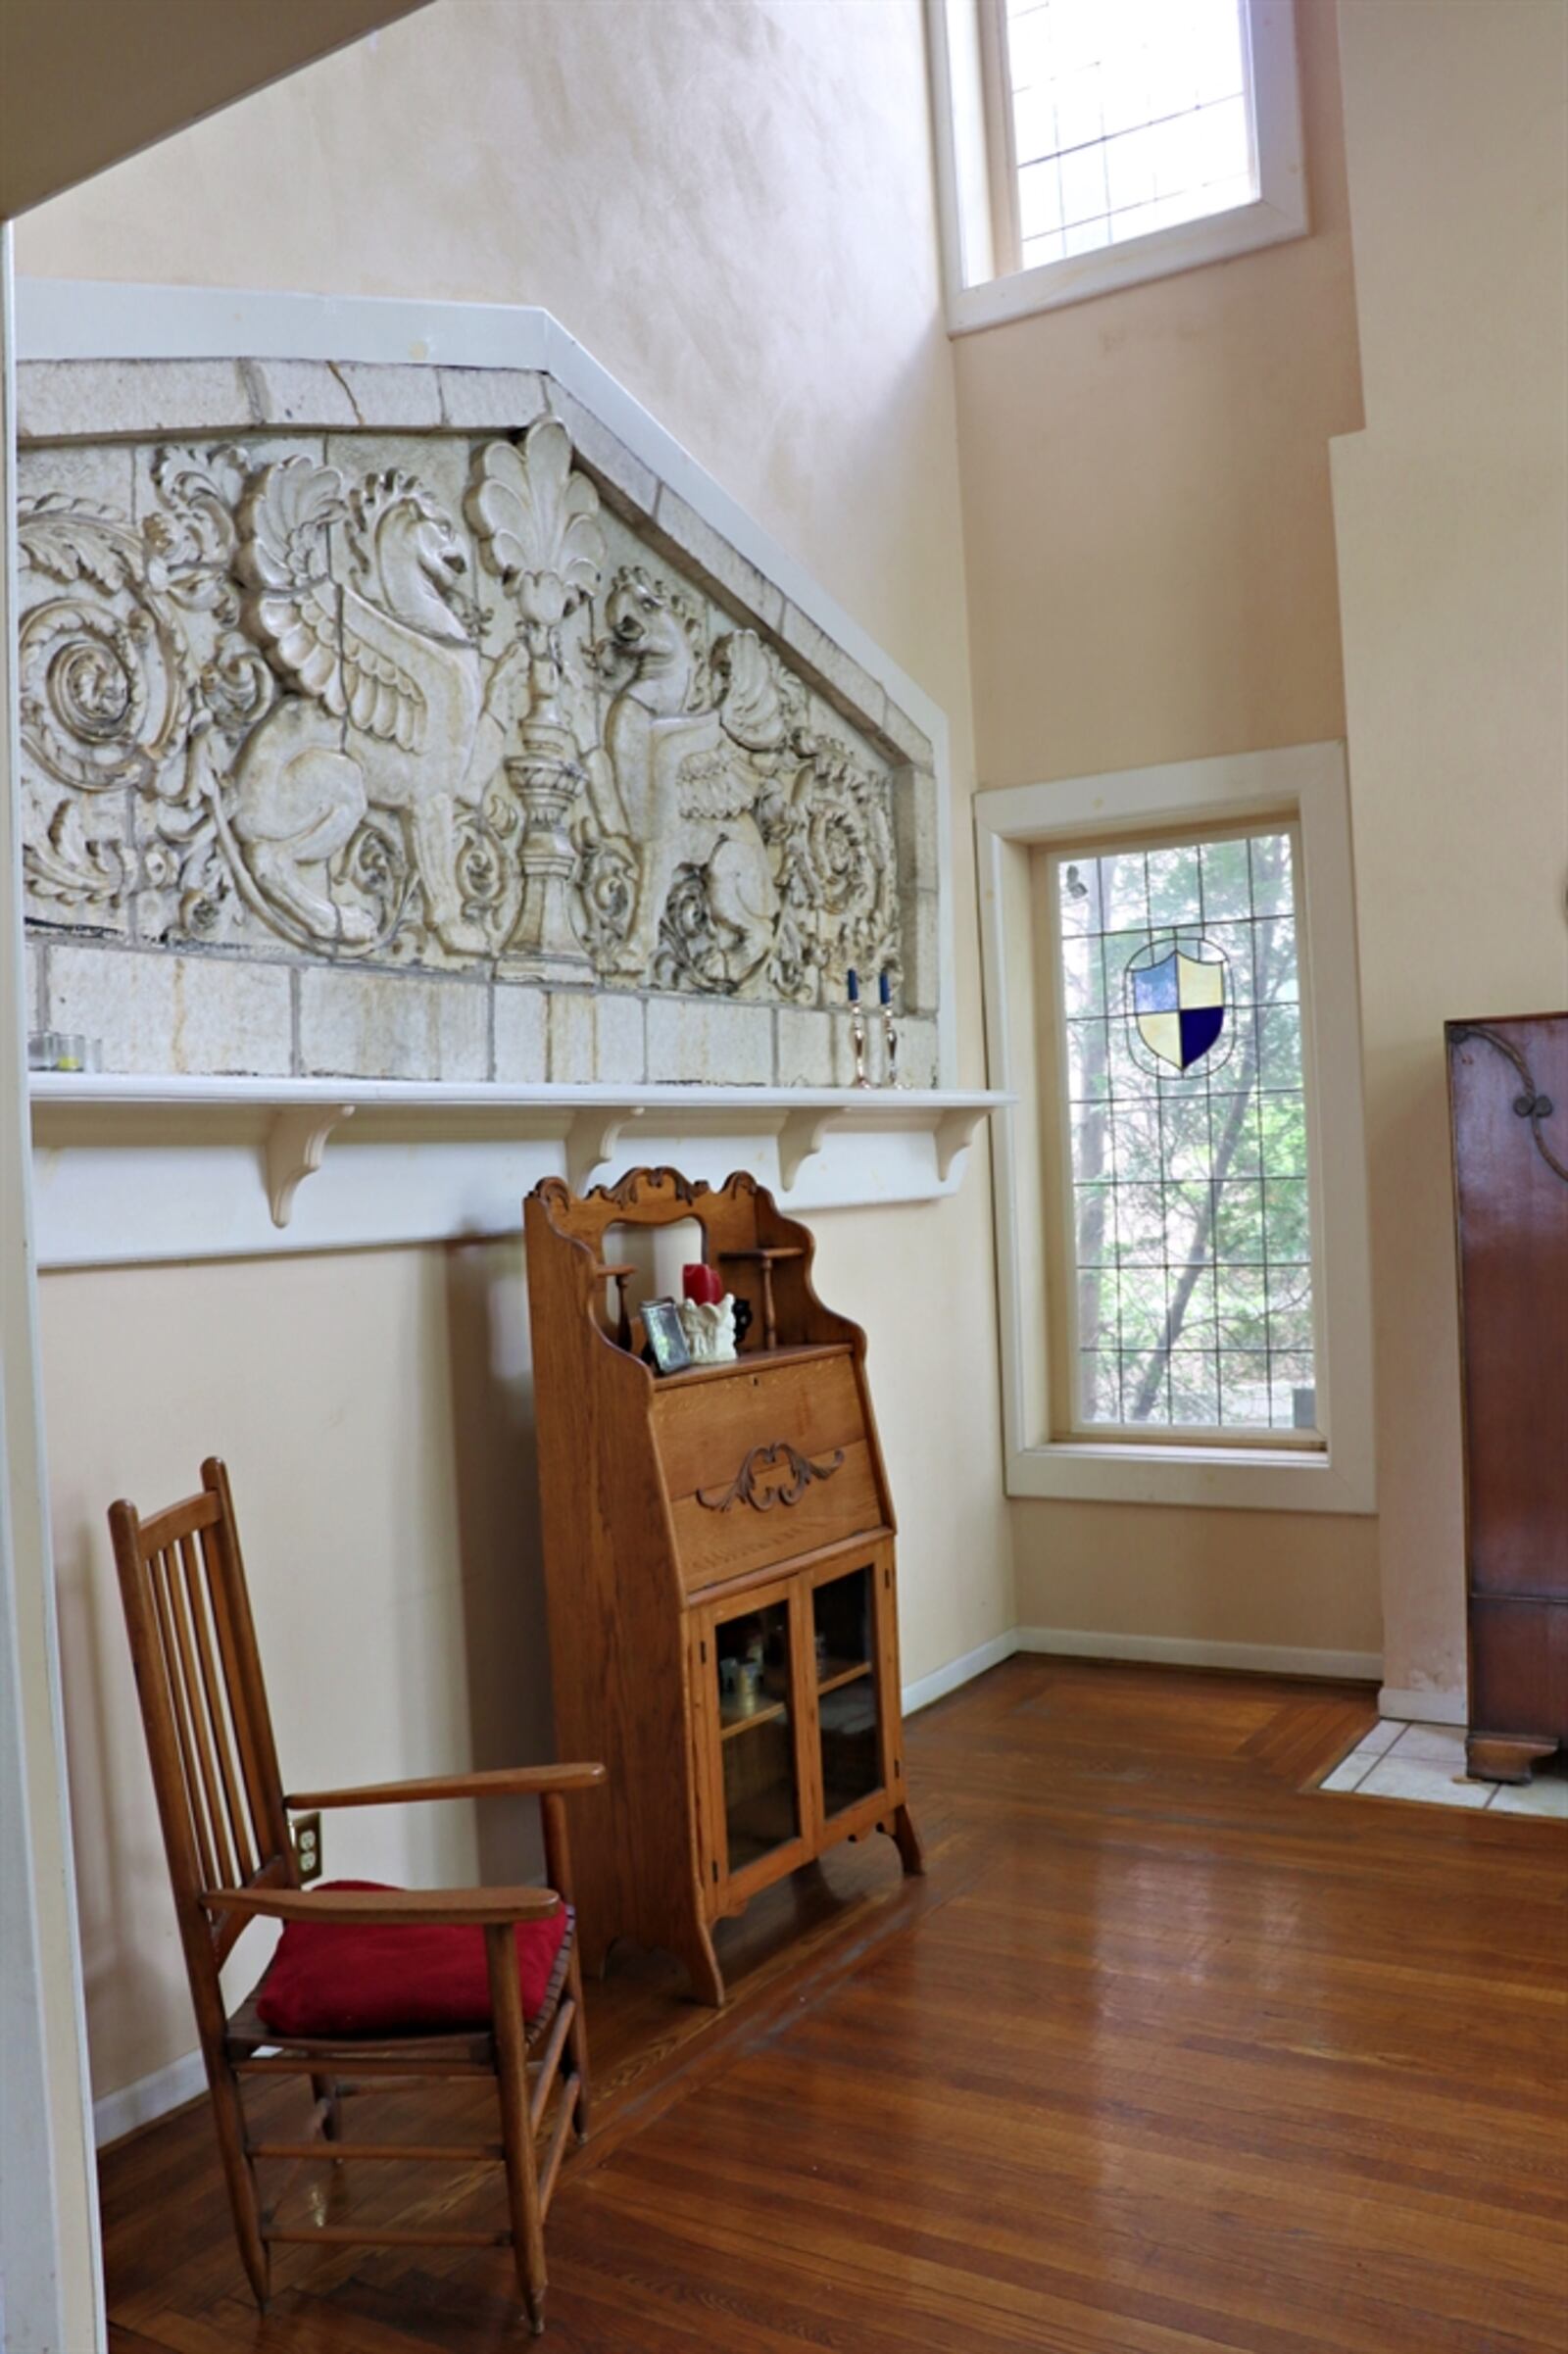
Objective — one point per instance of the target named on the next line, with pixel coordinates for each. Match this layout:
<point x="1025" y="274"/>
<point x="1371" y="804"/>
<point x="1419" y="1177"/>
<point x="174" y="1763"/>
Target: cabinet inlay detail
<point x="775" y="1457"/>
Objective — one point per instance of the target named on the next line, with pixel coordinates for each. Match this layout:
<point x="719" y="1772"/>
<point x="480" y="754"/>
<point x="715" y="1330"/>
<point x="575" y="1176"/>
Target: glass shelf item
<point x="847" y="1694"/>
<point x="751" y="1661"/>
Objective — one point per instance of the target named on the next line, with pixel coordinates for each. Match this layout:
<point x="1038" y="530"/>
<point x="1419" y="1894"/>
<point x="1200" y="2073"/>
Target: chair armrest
<point x="448" y="1908"/>
<point x="506" y="1782"/>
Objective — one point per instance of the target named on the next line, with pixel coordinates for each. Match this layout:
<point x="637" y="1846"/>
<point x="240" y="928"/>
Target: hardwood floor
<point x="1162" y="2057"/>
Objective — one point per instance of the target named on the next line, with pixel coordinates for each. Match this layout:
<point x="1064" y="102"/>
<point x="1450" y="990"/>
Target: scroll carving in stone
<point x="311" y="707"/>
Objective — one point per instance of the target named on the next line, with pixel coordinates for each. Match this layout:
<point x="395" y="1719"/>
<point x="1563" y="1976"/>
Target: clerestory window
<point x="1087" y="144"/>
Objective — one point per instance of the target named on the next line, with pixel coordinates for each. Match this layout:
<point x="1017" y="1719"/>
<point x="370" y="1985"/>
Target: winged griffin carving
<point x="676" y="777"/>
<point x="390" y="707"/>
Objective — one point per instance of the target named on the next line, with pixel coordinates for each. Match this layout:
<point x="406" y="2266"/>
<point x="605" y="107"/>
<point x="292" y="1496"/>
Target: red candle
<point x="701" y="1283"/>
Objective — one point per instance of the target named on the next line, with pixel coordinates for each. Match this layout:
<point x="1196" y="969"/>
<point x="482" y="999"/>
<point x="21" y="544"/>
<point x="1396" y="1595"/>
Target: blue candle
<point x="855" y="986"/>
<point x="885" y="988"/>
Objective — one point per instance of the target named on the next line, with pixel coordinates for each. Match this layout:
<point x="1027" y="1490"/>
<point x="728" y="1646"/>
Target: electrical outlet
<point x="308" y="1848"/>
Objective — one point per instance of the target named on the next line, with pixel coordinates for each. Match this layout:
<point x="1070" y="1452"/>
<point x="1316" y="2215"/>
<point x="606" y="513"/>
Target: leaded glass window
<point x="1127" y="115"/>
<point x="1187" y="1122"/>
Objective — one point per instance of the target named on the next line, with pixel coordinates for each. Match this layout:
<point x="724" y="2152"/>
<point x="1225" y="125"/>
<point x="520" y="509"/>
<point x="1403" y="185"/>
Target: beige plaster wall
<point x="1452" y="519"/>
<point x="1152" y="567"/>
<point x="379" y="1434"/>
<point x="729" y="203"/>
<point x="1145" y="485"/>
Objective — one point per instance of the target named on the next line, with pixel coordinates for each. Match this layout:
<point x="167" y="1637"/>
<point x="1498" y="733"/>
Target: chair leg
<point x="578" y="2046"/>
<point x="239" y="2175"/>
<point x="517" y="2134"/>
<point x="558" y="1860"/>
<point x="324" y="2089"/>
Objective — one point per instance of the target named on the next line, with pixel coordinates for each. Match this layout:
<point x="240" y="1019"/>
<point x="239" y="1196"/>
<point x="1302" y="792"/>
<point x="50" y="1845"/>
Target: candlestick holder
<point x="863" y="1077"/>
<point x="890" y="1043"/>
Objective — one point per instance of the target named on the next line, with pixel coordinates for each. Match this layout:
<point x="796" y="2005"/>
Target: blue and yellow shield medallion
<point x="1178" y="1002"/>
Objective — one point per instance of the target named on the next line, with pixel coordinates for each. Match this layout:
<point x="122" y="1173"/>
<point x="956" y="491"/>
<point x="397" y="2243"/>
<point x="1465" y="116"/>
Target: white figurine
<point x="710" y="1329"/>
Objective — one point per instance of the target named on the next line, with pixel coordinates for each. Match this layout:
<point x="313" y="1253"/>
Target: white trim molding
<point x="51" y="2296"/>
<point x="1423" y="1704"/>
<point x="961" y="1671"/>
<point x="1169" y="1650"/>
<point x="982" y="290"/>
<point x="133" y="1171"/>
<point x="116" y="2114"/>
<point x="1182" y="1650"/>
<point x="1303" y="782"/>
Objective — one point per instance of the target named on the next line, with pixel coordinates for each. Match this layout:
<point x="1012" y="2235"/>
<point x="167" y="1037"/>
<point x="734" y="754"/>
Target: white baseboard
<point x="1181" y="1650"/>
<point x="150" y="2096"/>
<point x="943" y="1680"/>
<point x="1423" y="1707"/>
<point x="1162" y="1651"/>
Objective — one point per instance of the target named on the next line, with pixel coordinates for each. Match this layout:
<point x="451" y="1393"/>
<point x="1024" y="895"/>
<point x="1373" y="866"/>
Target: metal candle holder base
<point x="863" y="1077"/>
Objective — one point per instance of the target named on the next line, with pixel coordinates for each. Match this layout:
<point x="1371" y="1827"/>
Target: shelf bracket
<point x="800" y="1136"/>
<point x="952" y="1134"/>
<point x="592" y="1138"/>
<point x="296" y="1141"/>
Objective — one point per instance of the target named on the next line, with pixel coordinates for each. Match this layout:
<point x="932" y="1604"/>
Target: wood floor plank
<point x="1167" y="2054"/>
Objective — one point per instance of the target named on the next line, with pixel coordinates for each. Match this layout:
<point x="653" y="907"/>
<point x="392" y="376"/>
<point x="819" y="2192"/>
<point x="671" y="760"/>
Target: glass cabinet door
<point x="753" y="1663"/>
<point x="848" y="1701"/>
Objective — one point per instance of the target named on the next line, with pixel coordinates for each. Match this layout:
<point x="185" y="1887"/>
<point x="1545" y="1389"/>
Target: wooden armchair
<point x="231" y="1860"/>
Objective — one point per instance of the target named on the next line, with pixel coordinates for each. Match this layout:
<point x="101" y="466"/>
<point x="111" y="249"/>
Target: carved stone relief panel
<point x="448" y="703"/>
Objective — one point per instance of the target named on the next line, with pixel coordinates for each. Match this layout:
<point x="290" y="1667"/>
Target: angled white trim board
<point x="977" y="297"/>
<point x="1306" y="781"/>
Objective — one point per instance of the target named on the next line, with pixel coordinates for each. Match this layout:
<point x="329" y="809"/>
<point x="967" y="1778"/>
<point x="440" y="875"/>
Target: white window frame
<point x="1307" y="785"/>
<point x="973" y="152"/>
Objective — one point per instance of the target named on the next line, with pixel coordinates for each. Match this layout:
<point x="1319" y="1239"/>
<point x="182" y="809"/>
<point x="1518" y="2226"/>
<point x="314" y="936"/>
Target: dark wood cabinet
<point x="1509" y="1091"/>
<point x="720" y="1566"/>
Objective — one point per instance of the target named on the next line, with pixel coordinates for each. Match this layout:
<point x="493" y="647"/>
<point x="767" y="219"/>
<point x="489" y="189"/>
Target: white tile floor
<point x="1426" y="1763"/>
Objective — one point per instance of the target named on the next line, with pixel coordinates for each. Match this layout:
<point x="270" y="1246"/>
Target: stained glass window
<point x="1191" y="1221"/>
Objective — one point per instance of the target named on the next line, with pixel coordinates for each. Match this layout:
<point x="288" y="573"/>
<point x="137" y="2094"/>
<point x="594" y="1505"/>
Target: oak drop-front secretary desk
<point x="720" y="1566"/>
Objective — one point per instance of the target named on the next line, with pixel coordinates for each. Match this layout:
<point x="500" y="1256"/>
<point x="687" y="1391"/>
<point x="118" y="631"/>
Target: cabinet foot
<point x="702" y="1963"/>
<point x="908" y="1841"/>
<point x="1506" y="1756"/>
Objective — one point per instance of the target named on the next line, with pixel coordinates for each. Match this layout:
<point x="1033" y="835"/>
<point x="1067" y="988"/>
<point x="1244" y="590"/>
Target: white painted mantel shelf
<point x="134" y="1170"/>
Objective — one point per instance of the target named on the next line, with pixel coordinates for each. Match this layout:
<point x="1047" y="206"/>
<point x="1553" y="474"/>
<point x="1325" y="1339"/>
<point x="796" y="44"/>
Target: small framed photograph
<point x="666" y="1342"/>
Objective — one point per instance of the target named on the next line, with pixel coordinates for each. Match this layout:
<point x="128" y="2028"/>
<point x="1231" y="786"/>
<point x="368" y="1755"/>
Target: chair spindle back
<point x="204" y="1703"/>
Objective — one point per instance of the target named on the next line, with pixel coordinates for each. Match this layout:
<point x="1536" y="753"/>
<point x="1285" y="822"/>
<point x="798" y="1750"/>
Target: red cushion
<point x="338" y="1977"/>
